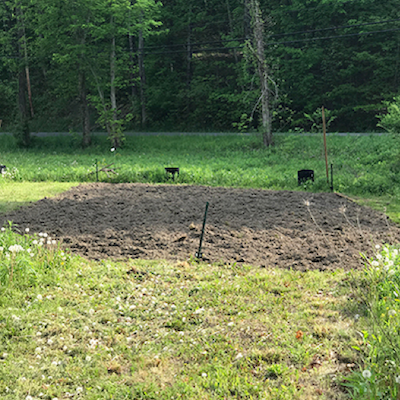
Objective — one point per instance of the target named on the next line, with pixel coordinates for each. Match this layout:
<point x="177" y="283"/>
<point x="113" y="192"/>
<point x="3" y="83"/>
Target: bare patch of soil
<point x="257" y="227"/>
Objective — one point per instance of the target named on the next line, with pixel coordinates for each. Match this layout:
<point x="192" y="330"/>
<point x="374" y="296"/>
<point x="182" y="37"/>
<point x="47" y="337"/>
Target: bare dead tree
<point x="257" y="46"/>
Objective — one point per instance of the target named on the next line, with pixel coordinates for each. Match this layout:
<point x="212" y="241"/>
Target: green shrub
<point x="391" y="120"/>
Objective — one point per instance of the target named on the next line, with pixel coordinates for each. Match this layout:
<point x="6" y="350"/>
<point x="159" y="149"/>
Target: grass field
<point x="70" y="328"/>
<point x="366" y="167"/>
<point x="156" y="330"/>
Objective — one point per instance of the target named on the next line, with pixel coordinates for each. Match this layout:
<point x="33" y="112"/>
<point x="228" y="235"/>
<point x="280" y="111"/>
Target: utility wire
<point x="242" y="39"/>
<point x="336" y="27"/>
<point x="193" y="50"/>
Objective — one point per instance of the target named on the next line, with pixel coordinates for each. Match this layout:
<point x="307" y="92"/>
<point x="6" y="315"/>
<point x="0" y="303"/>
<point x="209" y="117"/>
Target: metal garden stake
<point x="199" y="254"/>
<point x="97" y="171"/>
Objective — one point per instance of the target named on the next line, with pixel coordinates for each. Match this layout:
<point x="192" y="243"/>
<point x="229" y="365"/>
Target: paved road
<point x="47" y="134"/>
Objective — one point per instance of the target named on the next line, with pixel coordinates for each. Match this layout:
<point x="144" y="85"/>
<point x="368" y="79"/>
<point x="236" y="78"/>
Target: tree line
<point x="195" y="65"/>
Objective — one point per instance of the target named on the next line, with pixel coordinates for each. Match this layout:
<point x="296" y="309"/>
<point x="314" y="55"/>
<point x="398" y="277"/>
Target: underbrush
<point x="26" y="260"/>
<point x="159" y="330"/>
<point x="378" y="295"/>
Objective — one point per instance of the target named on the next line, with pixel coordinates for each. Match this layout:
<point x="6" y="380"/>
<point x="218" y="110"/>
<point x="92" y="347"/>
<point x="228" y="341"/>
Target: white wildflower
<point x="239" y="356"/>
<point x="377" y="246"/>
<point x="392" y="313"/>
<point x="366" y="374"/>
<point x="204" y="375"/>
<point x="397" y="379"/>
<point x="26" y="230"/>
<point x="15" y="248"/>
<point x="375" y="263"/>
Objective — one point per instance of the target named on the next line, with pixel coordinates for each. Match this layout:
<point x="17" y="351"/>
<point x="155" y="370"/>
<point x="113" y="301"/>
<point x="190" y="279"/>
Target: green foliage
<point x="378" y="294"/>
<point x="26" y="260"/>
<point x="362" y="165"/>
<point x="316" y="120"/>
<point x="22" y="133"/>
<point x="189" y="330"/>
<point x="391" y="120"/>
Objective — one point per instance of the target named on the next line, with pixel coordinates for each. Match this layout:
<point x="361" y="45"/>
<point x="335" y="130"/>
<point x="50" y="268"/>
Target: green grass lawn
<point x="363" y="166"/>
<point x="70" y="328"/>
<point x="157" y="330"/>
<point x="16" y="194"/>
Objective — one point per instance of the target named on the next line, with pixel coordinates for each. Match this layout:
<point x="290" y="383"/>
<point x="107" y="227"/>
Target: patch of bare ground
<point x="287" y="229"/>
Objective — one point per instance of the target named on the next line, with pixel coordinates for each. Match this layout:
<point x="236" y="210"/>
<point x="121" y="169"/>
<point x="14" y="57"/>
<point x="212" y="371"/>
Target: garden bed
<point x="266" y="228"/>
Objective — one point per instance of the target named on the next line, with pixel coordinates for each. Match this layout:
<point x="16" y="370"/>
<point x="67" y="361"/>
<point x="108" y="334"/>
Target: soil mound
<point x="258" y="227"/>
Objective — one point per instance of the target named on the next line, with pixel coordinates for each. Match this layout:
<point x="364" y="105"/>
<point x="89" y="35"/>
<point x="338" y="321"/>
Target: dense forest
<point x="195" y="65"/>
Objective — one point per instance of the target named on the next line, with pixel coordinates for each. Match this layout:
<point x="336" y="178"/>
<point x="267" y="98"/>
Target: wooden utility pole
<point x="325" y="147"/>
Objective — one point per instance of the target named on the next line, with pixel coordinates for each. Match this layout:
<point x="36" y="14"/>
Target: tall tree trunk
<point x="189" y="55"/>
<point x="228" y="8"/>
<point x="262" y="69"/>
<point x="25" y="48"/>
<point x="85" y="118"/>
<point x="113" y="97"/>
<point x="142" y="76"/>
<point x="23" y="132"/>
<point x="134" y="91"/>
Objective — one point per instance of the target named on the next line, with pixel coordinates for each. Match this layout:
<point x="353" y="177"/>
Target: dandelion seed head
<point x="366" y="374"/>
<point x="375" y="263"/>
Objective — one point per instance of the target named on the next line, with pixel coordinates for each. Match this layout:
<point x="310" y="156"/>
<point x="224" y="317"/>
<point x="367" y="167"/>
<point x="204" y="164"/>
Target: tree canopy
<point x="188" y="65"/>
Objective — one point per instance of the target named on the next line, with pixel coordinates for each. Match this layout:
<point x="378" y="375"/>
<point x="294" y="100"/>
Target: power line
<point x="194" y="50"/>
<point x="242" y="39"/>
<point x="277" y="43"/>
<point x="333" y="37"/>
<point x="336" y="27"/>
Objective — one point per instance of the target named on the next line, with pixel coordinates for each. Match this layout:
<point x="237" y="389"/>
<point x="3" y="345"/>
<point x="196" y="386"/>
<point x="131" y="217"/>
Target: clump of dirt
<point x="267" y="228"/>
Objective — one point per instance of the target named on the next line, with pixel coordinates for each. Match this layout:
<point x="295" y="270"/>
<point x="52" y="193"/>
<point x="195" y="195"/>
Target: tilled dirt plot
<point x="257" y="227"/>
